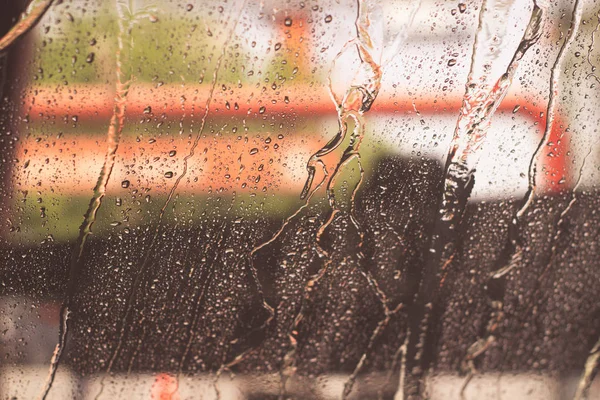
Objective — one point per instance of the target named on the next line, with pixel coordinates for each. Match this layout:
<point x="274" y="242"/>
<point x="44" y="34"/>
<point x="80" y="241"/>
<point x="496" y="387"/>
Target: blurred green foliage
<point x="165" y="48"/>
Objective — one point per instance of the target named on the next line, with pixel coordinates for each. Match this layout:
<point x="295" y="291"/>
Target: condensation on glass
<point x="245" y="199"/>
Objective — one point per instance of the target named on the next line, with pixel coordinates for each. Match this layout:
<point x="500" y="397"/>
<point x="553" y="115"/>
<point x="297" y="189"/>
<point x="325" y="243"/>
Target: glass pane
<point x="243" y="199"/>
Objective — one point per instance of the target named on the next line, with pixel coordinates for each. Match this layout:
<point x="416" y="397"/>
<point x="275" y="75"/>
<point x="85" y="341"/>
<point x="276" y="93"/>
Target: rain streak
<point x="336" y="199"/>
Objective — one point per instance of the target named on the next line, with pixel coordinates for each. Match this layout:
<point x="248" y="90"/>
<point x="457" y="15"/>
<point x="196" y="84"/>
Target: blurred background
<point x="206" y="275"/>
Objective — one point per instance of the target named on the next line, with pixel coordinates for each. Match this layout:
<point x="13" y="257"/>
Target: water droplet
<point x="189" y="7"/>
<point x="90" y="58"/>
<point x="288" y="21"/>
<point x="125" y="184"/>
<point x="328" y="19"/>
<point x="516" y="108"/>
<point x="462" y="7"/>
<point x="172" y="153"/>
<point x="277" y="46"/>
<point x="451" y="62"/>
<point x="147" y="110"/>
<point x="262" y="110"/>
<point x="168" y="174"/>
<point x="253" y="151"/>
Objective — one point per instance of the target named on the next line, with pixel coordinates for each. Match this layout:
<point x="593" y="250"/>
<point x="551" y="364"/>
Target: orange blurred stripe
<point x="95" y="102"/>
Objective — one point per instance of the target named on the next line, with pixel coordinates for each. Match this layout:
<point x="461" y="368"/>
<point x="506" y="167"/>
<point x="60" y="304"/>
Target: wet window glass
<point x="283" y="199"/>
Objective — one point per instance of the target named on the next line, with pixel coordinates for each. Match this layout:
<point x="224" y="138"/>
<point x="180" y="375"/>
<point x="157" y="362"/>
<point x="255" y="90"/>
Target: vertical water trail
<point x="399" y="395"/>
<point x="484" y="93"/>
<point x="35" y="11"/>
<point x="593" y="359"/>
<point x="513" y="251"/>
<point x="115" y="129"/>
<point x="351" y="153"/>
<point x="374" y="56"/>
<point x="487" y="85"/>
<point x="551" y="109"/>
<point x="514" y="236"/>
<point x="565" y="211"/>
<point x="287" y="220"/>
<point x="357" y="100"/>
<point x="388" y="314"/>
<point x="590" y="369"/>
<point x="371" y="54"/>
<point x="592" y="42"/>
<point x="591" y="48"/>
<point x="241" y="357"/>
<point x="562" y="217"/>
<point x="138" y="277"/>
